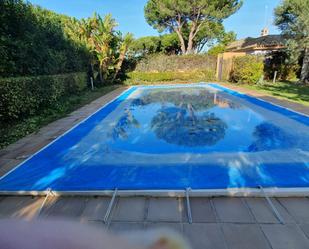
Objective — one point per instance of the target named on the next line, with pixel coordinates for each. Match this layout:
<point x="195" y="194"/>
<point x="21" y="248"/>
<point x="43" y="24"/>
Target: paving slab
<point x="305" y="229"/>
<point x="204" y="236"/>
<point x="25" y="207"/>
<point x="8" y="164"/>
<point x="287" y="236"/>
<point x="202" y="210"/>
<point x="261" y="210"/>
<point x="122" y="227"/>
<point x="244" y="236"/>
<point x="129" y="209"/>
<point x="65" y="207"/>
<point x="286" y="216"/>
<point x="165" y="209"/>
<point x="232" y="210"/>
<point x="297" y="207"/>
<point x="95" y="208"/>
<point x="169" y="225"/>
<point x="95" y="223"/>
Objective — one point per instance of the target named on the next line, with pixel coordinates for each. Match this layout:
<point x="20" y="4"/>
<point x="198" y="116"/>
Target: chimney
<point x="264" y="31"/>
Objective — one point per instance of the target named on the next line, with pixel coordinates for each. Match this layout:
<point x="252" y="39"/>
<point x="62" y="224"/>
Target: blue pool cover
<point x="202" y="136"/>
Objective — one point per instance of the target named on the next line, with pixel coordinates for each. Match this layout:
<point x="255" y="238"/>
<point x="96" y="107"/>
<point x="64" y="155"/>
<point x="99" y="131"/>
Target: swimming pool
<point x="163" y="138"/>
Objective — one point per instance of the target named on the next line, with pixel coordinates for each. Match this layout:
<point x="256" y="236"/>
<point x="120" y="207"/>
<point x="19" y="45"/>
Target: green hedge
<point x="36" y="41"/>
<point x="247" y="69"/>
<point x="165" y="63"/>
<point x="24" y="96"/>
<point x="194" y="75"/>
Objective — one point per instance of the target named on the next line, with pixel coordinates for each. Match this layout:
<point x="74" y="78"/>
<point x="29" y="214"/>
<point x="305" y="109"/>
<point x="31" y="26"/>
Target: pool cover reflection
<point x="173" y="137"/>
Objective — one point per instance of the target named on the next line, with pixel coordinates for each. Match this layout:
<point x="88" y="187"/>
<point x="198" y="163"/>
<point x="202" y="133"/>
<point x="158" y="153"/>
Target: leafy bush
<point x="24" y="96"/>
<point x="163" y="63"/>
<point x="194" y="75"/>
<point x="247" y="69"/>
<point x="279" y="61"/>
<point x="35" y="41"/>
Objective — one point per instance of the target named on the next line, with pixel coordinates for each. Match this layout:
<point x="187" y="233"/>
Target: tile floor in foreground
<point x="219" y="222"/>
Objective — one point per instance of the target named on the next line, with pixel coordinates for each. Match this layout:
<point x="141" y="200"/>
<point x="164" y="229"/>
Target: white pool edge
<point x="230" y="192"/>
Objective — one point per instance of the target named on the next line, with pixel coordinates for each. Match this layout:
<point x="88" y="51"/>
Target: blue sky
<point x="248" y="21"/>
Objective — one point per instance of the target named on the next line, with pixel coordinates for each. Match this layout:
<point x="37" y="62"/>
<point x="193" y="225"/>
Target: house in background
<point x="262" y="45"/>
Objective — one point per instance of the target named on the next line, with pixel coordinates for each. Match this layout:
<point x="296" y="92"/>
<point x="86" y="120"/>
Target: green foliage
<point x="208" y="34"/>
<point x="189" y="18"/>
<point x="135" y="77"/>
<point x="33" y="41"/>
<point x="170" y="44"/>
<point x="124" y="46"/>
<point x="166" y="44"/>
<point x="292" y="19"/>
<point x="163" y="68"/>
<point x="162" y="63"/>
<point x="108" y="47"/>
<point x="25" y="96"/>
<point x="36" y="41"/>
<point x="146" y="45"/>
<point x="279" y="61"/>
<point x="247" y="69"/>
<point x="224" y="40"/>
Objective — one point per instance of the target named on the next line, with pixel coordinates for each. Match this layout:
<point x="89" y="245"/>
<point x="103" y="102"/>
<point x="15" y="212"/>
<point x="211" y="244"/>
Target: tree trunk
<point x="182" y="41"/>
<point x="119" y="64"/>
<point x="101" y="74"/>
<point x="190" y="40"/>
<point x="304" y="76"/>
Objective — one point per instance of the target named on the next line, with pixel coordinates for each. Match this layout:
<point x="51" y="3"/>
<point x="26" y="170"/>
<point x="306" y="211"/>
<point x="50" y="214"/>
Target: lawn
<point x="283" y="90"/>
<point x="10" y="133"/>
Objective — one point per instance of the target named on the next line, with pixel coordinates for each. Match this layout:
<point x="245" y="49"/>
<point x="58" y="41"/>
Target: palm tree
<point x="126" y="42"/>
<point x="104" y="41"/>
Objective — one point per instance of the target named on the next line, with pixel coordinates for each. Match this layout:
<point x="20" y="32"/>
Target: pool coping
<point x="229" y="192"/>
<point x="235" y="192"/>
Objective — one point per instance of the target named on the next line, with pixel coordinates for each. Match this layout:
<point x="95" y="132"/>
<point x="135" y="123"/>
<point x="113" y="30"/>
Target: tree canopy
<point x="292" y="19"/>
<point x="166" y="44"/>
<point x="108" y="47"/>
<point x="224" y="40"/>
<point x="189" y="18"/>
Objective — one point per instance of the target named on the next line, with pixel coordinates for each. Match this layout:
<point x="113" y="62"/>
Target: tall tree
<point x="108" y="47"/>
<point x="123" y="48"/>
<point x="224" y="40"/>
<point x="188" y="15"/>
<point x="104" y="40"/>
<point x="292" y="18"/>
<point x="167" y="44"/>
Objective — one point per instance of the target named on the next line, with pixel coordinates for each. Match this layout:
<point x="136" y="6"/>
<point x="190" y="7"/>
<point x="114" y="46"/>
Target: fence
<point x="225" y="64"/>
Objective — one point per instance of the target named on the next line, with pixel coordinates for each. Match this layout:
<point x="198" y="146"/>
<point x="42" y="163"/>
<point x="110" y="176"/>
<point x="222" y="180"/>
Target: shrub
<point x="194" y="75"/>
<point x="247" y="69"/>
<point x="36" y="41"/>
<point x="24" y="96"/>
<point x="279" y="61"/>
<point x="163" y="63"/>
